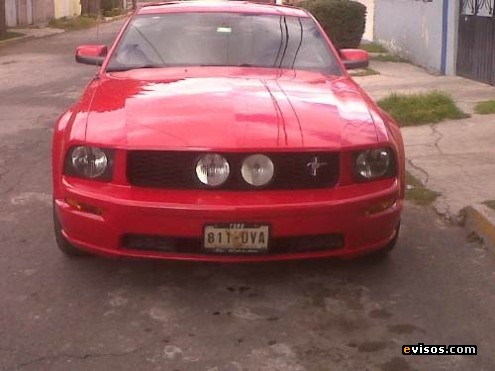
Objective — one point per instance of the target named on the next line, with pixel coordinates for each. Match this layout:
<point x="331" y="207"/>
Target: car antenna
<point x="98" y="33"/>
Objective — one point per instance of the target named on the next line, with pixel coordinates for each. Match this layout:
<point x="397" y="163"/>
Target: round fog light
<point x="257" y="170"/>
<point x="212" y="170"/>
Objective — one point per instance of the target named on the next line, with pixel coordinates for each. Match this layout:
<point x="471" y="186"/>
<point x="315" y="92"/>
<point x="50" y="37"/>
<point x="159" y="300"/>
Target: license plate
<point x="237" y="238"/>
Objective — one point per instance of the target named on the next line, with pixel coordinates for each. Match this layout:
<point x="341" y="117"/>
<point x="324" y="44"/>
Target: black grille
<point x="176" y="170"/>
<point x="278" y="245"/>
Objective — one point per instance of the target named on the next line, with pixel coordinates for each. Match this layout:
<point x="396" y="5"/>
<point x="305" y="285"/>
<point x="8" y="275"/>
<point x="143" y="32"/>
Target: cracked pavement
<point x="458" y="158"/>
<point x="455" y="158"/>
<point x="100" y="314"/>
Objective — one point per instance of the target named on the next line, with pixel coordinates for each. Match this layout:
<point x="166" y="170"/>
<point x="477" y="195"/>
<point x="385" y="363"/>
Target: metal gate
<point x="476" y="47"/>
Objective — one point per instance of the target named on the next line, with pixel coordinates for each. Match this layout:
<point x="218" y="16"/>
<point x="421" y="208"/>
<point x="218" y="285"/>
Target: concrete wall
<point x="26" y="12"/>
<point x="67" y="8"/>
<point x="370" y="18"/>
<point x="413" y="29"/>
<point x="43" y="10"/>
<point x="11" y="13"/>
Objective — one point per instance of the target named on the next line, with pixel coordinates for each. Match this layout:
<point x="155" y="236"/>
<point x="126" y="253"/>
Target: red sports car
<point x="229" y="132"/>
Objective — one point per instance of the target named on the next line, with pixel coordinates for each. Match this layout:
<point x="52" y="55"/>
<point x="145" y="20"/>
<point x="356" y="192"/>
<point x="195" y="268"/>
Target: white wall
<point x="370" y="15"/>
<point x="67" y="8"/>
<point x="10" y="13"/>
<point x="452" y="30"/>
<point x="413" y="30"/>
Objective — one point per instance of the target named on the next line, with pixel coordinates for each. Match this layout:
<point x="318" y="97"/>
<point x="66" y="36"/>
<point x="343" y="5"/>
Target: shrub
<point x="342" y="20"/>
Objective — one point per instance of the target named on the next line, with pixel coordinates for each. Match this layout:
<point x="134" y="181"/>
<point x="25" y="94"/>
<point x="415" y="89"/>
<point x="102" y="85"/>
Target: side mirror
<point x="91" y="54"/>
<point x="354" y="58"/>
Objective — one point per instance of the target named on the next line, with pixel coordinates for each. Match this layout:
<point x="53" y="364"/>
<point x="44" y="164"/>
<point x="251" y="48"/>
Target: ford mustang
<point x="228" y="132"/>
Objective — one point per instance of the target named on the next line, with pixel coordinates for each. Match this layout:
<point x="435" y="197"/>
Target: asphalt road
<point x="97" y="314"/>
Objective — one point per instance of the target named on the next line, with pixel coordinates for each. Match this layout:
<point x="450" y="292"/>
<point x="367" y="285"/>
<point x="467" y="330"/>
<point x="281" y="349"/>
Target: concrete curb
<point x="481" y="220"/>
<point x="117" y="17"/>
<point x="15" y="40"/>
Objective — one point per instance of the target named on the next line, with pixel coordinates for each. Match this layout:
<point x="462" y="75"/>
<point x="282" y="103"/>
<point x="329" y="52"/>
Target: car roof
<point x="221" y="6"/>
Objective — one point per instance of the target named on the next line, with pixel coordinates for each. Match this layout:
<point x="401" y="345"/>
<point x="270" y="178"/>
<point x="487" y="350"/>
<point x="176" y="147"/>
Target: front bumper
<point x="365" y="215"/>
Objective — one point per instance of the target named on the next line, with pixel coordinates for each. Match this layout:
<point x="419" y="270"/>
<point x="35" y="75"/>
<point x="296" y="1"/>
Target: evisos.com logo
<point x="421" y="350"/>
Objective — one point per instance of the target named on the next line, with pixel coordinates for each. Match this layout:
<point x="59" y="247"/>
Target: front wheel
<point x="383" y="252"/>
<point x="65" y="246"/>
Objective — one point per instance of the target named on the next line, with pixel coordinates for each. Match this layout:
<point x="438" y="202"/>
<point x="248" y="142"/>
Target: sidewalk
<point x="30" y="33"/>
<point x="42" y="30"/>
<point x="455" y="158"/>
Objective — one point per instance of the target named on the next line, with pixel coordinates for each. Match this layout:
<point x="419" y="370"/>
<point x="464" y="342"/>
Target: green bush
<point x="342" y="20"/>
<point x="108" y="5"/>
<point x="113" y="13"/>
<point x="421" y="108"/>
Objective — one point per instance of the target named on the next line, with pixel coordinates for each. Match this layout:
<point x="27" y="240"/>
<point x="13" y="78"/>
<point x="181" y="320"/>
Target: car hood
<point x="271" y="111"/>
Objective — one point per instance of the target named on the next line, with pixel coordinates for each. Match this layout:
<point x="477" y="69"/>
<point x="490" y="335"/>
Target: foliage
<point x="342" y="20"/>
<point x="76" y="23"/>
<point x="417" y="192"/>
<point x="114" y="12"/>
<point x="485" y="107"/>
<point x="386" y="57"/>
<point x="373" y="48"/>
<point x="490" y="204"/>
<point x="417" y="109"/>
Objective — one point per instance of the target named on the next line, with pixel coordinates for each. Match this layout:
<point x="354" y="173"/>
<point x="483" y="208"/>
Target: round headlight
<point x="257" y="170"/>
<point x="373" y="163"/>
<point x="212" y="170"/>
<point x="89" y="162"/>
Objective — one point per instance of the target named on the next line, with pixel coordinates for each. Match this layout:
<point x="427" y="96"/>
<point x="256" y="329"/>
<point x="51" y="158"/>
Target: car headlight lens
<point x="373" y="163"/>
<point x="257" y="170"/>
<point x="212" y="170"/>
<point x="89" y="162"/>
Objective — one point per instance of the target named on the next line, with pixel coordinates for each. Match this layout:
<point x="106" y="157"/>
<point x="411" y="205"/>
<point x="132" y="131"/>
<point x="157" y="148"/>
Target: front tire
<point x="383" y="252"/>
<point x="65" y="246"/>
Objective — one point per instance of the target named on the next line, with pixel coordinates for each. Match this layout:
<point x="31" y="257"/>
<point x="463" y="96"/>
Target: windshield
<point x="223" y="39"/>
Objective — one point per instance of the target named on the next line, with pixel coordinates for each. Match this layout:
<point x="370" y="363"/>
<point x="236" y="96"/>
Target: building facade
<point x="21" y="13"/>
<point x="445" y="36"/>
<point x="370" y="19"/>
<point x="67" y="8"/>
<point x="423" y="32"/>
<point x="26" y="12"/>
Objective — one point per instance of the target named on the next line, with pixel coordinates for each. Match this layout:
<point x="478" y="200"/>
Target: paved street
<point x="98" y="314"/>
